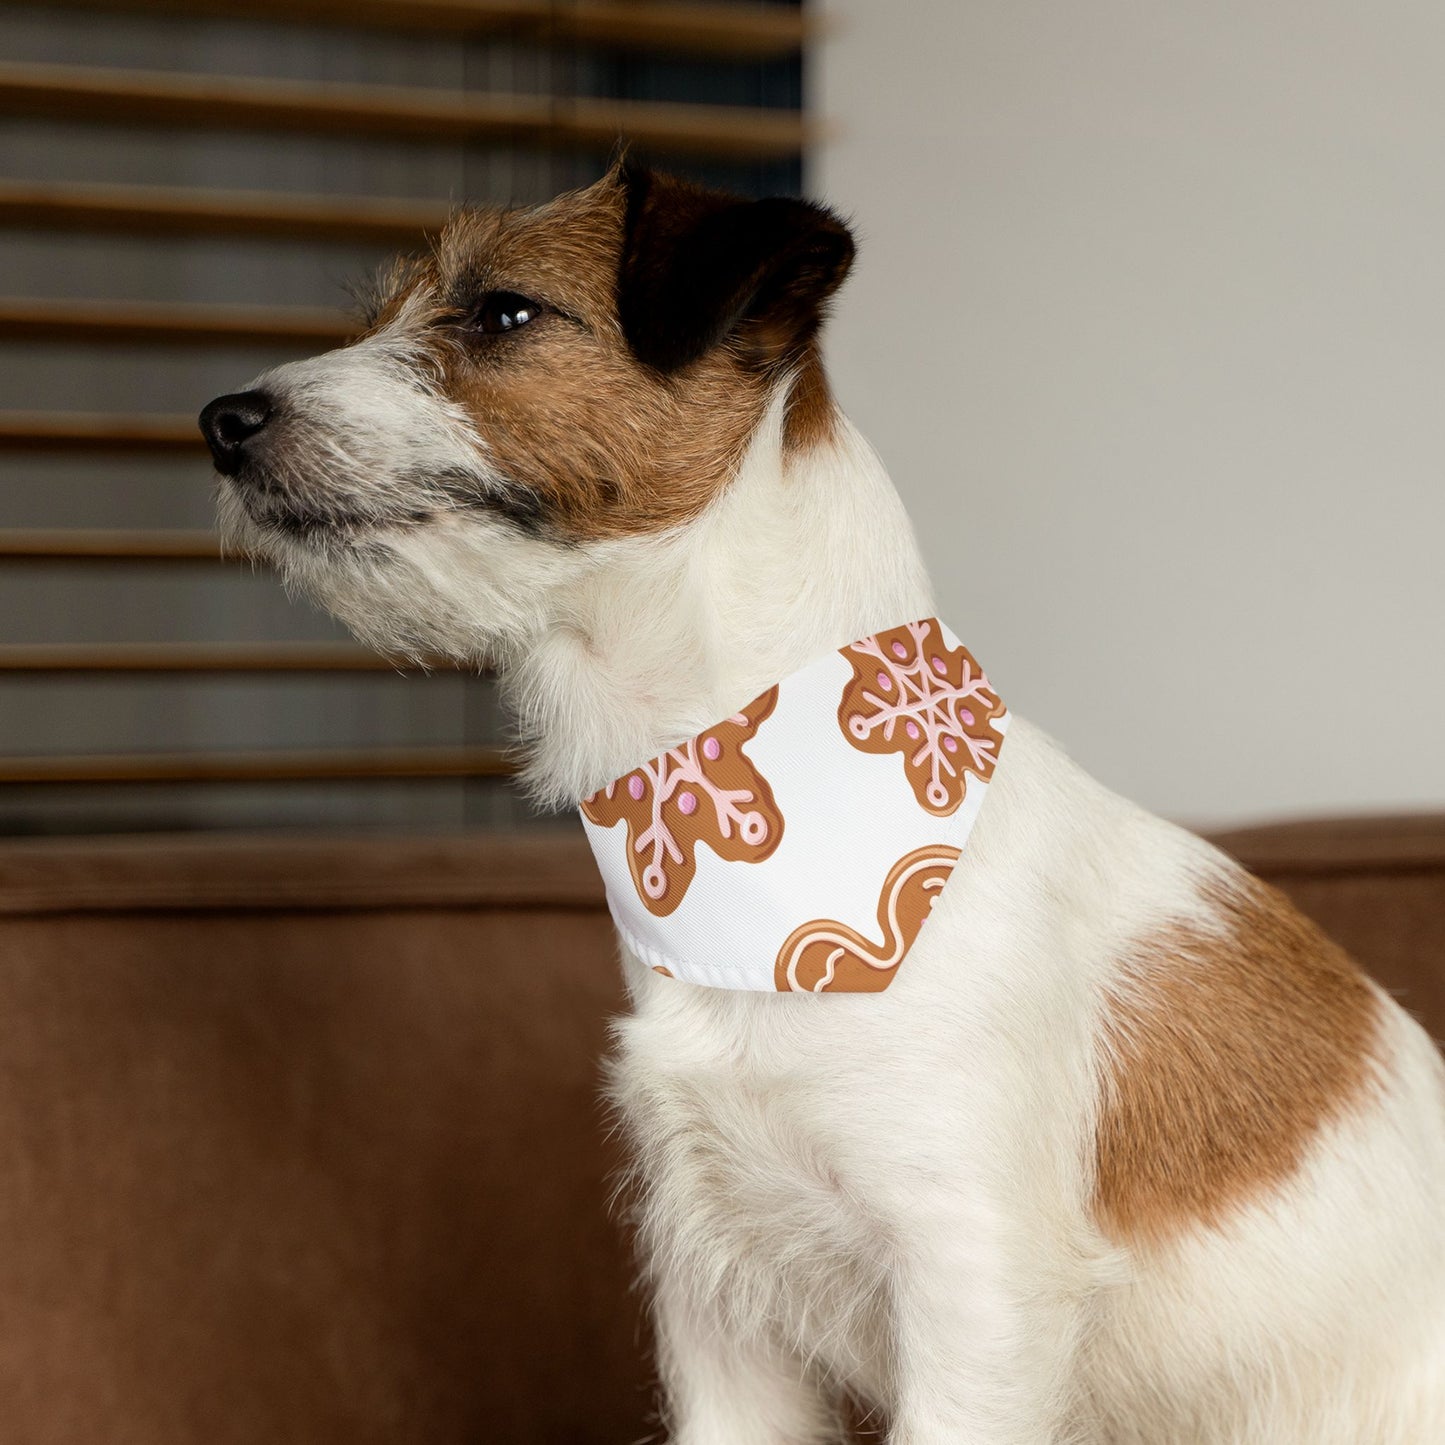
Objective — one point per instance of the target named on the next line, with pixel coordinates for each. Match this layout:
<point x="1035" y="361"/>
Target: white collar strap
<point x="799" y="844"/>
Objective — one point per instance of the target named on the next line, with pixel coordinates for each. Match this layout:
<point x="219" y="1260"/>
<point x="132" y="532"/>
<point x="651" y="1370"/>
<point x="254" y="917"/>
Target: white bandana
<point x="799" y="844"/>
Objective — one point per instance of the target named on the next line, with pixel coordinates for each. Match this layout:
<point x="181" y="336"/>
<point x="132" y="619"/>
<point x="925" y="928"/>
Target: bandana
<point x="800" y="844"/>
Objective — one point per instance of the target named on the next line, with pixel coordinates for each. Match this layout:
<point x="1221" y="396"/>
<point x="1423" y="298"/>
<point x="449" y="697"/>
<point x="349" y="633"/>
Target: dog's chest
<point x="749" y="1162"/>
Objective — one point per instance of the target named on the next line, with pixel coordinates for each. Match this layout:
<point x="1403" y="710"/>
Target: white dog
<point x="1127" y="1152"/>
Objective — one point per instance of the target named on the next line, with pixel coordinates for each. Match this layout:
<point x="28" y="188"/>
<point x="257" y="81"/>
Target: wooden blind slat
<point x="171" y="323"/>
<point x="77" y="431"/>
<point x="218" y="102"/>
<point x="751" y="31"/>
<point x="761" y="32"/>
<point x="271" y="766"/>
<point x="186" y="657"/>
<point x="83" y="544"/>
<point x="172" y="211"/>
<point x="226" y="103"/>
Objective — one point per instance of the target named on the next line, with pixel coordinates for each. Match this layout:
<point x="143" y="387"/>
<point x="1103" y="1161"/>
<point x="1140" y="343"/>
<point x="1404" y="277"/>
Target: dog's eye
<point x="504" y="311"/>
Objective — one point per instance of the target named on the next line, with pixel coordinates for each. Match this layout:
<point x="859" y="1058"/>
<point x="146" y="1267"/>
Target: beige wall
<point x="1149" y="324"/>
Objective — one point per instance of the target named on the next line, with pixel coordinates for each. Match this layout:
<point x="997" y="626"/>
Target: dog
<point x="1127" y="1152"/>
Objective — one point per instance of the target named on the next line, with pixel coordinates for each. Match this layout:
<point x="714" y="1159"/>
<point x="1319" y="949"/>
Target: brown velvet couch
<point x="302" y="1141"/>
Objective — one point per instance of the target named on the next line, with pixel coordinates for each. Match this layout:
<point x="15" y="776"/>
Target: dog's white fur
<point x="891" y="1193"/>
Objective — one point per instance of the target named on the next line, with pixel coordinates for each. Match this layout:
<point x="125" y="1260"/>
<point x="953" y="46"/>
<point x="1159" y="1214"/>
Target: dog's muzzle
<point x="232" y="422"/>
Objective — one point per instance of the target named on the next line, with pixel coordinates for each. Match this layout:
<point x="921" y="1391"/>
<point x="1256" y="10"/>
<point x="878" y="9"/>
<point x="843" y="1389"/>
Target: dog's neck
<point x="803" y="552"/>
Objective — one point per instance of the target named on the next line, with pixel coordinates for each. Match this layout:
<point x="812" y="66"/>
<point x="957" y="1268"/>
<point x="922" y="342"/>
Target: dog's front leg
<point x="724" y="1386"/>
<point x="985" y="1339"/>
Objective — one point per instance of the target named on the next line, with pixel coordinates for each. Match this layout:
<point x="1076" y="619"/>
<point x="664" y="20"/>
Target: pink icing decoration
<point x="966" y="716"/>
<point x="912" y="729"/>
<point x="899" y="651"/>
<point x="885" y="682"/>
<point x="939" y="666"/>
<point x="678" y="778"/>
<point x="951" y="744"/>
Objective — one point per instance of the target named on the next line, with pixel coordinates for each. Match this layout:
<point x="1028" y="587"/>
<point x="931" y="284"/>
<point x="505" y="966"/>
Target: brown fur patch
<point x="606" y="445"/>
<point x="812" y="416"/>
<point x="1227" y="1053"/>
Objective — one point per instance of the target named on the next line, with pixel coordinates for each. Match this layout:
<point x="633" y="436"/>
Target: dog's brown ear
<point x="699" y="266"/>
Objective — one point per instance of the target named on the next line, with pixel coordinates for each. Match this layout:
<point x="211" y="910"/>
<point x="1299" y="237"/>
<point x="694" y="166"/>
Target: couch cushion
<point x="302" y="1143"/>
<point x="302" y="1137"/>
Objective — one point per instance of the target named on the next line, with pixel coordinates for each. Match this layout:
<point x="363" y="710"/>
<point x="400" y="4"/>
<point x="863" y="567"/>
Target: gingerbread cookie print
<point x="706" y="793"/>
<point x="913" y="694"/>
<point x="825" y="956"/>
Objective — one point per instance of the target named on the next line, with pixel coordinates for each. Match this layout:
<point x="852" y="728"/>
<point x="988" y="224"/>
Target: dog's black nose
<point x="229" y="422"/>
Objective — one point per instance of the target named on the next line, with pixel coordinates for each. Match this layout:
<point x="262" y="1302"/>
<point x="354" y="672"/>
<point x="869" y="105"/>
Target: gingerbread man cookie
<point x="705" y="793"/>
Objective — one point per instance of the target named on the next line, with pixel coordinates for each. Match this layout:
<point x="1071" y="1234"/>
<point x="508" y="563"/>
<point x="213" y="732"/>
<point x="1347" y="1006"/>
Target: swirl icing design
<point x="825" y="956"/>
<point x="706" y="792"/>
<point x="913" y="694"/>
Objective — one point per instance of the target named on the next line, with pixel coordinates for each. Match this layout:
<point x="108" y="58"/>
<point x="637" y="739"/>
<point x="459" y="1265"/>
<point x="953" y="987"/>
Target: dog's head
<point x="545" y="383"/>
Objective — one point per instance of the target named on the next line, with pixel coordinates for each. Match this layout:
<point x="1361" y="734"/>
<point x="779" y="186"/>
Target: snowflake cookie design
<point x="825" y="956"/>
<point x="704" y="792"/>
<point x="913" y="694"/>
